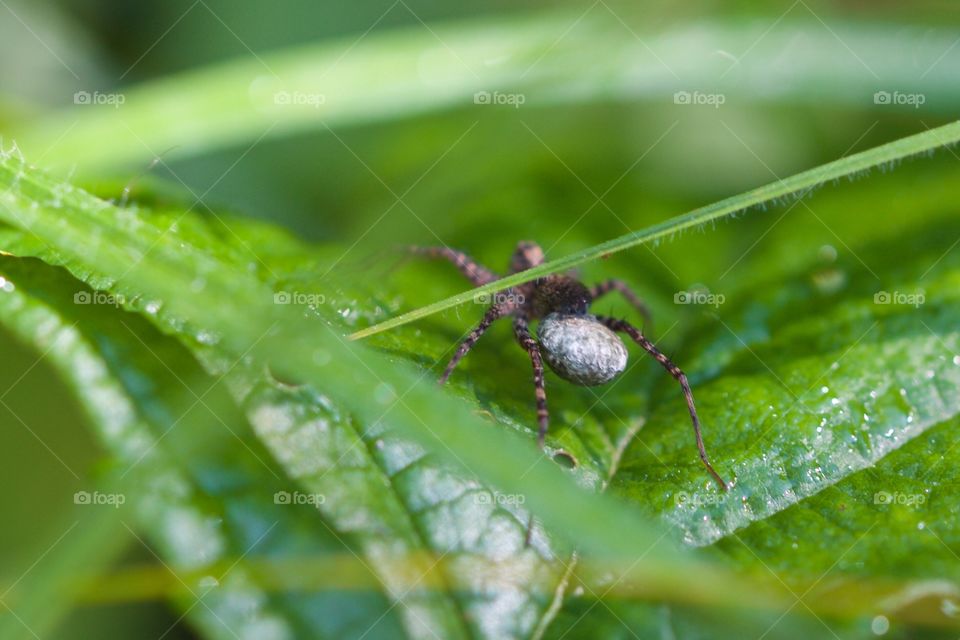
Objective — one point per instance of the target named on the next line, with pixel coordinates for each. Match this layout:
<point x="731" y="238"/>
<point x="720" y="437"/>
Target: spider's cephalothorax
<point x="579" y="347"/>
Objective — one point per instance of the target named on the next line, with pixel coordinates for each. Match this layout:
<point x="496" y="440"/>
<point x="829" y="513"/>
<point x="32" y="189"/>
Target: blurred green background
<point x="600" y="145"/>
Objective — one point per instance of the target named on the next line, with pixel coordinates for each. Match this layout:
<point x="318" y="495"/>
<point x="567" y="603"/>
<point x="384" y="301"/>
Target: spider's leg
<point x="473" y="270"/>
<point x="522" y="331"/>
<point x="624" y="289"/>
<point x="493" y="313"/>
<point x="526" y="256"/>
<point x="673" y="370"/>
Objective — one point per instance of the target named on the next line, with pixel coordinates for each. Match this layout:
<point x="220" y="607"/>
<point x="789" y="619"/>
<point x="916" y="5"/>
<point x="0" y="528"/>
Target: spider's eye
<point x="580" y="349"/>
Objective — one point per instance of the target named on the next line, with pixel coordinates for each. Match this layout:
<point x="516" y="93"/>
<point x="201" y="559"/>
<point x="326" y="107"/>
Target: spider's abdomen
<point x="580" y="349"/>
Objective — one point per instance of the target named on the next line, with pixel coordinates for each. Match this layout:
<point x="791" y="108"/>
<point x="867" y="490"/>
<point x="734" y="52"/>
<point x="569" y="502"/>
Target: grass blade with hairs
<point x="797" y="185"/>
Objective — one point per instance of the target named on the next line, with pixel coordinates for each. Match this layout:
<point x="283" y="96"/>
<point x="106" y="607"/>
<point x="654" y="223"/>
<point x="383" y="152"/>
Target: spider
<point x="578" y="346"/>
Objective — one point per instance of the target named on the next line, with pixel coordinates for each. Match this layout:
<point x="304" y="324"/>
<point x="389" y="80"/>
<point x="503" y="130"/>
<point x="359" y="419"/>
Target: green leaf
<point x="802" y="387"/>
<point x="894" y="524"/>
<point x="830" y="392"/>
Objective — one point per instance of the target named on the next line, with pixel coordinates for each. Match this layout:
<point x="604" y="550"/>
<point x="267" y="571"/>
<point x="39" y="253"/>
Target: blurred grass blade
<point x="205" y="502"/>
<point x="797" y="185"/>
<point x="551" y="57"/>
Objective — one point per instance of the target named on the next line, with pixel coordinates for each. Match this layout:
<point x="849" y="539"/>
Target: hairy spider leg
<point x="521" y="330"/>
<point x="673" y="370"/>
<point x="526" y="256"/>
<point x="493" y="313"/>
<point x="473" y="270"/>
<point x="624" y="289"/>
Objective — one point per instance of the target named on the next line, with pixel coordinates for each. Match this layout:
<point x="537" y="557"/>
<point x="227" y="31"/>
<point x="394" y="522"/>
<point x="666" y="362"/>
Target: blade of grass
<point x="551" y="57"/>
<point x="797" y="185"/>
